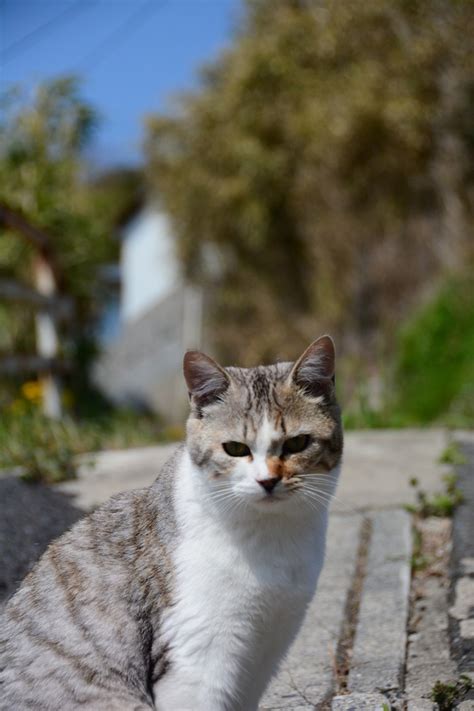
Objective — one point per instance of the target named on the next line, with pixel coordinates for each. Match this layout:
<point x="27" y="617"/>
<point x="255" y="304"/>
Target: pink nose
<point x="268" y="484"/>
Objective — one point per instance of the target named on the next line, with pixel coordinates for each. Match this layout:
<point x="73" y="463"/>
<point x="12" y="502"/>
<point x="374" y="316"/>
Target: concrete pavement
<point x="365" y="644"/>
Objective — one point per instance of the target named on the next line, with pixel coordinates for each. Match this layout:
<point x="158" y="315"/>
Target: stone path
<point x="462" y="593"/>
<point x="378" y="653"/>
<point x="429" y="659"/>
<point x="357" y="650"/>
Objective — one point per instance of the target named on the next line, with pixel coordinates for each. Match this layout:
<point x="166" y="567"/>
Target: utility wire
<point x="28" y="40"/>
<point x="130" y="25"/>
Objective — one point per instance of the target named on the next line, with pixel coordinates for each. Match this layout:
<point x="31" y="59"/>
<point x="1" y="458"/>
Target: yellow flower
<point x="32" y="390"/>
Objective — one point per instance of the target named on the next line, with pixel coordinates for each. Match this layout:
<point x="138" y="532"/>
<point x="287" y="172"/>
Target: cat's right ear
<point x="206" y="380"/>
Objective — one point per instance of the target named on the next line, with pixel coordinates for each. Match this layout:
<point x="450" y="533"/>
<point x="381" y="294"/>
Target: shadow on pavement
<point x="31" y="516"/>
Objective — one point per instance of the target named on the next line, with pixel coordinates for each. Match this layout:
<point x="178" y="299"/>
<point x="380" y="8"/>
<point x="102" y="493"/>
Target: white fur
<point x="244" y="577"/>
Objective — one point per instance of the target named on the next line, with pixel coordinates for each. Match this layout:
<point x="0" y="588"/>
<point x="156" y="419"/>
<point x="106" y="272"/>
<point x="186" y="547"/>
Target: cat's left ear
<point x="315" y="369"/>
<point x="205" y="378"/>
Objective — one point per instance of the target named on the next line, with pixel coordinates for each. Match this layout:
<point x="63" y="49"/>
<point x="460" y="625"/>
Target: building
<point x="157" y="317"/>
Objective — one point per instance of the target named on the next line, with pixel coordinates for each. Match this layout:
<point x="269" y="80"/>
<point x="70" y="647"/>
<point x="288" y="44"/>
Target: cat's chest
<point x="236" y="607"/>
<point x="230" y="574"/>
<point x="223" y="587"/>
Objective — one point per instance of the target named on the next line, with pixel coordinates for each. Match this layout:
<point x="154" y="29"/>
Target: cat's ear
<point x="206" y="380"/>
<point x="314" y="371"/>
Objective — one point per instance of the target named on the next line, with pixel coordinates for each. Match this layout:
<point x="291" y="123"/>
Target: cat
<point x="185" y="596"/>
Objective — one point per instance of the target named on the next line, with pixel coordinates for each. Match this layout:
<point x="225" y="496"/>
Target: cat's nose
<point x="268" y="484"/>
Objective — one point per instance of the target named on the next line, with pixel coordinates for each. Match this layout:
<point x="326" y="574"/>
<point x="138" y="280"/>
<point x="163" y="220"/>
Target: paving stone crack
<point x="298" y="691"/>
<point x="351" y="615"/>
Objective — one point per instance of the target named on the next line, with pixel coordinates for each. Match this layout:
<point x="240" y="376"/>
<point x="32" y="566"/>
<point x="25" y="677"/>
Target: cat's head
<point x="269" y="437"/>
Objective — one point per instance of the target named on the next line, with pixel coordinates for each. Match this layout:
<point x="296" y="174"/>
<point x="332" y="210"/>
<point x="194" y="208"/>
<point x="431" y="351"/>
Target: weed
<point x="418" y="560"/>
<point x="452" y="455"/>
<point x="442" y="504"/>
<point x="448" y="694"/>
<point x="46" y="450"/>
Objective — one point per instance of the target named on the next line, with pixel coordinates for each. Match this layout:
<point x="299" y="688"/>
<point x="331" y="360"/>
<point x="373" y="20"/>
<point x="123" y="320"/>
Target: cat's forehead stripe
<point x="259" y="384"/>
<point x="262" y="405"/>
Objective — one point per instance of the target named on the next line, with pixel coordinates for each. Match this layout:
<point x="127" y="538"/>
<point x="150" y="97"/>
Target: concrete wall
<point x="160" y="318"/>
<point x="148" y="264"/>
<point x="144" y="365"/>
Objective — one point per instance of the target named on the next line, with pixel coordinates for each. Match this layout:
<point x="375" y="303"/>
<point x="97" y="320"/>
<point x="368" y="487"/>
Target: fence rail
<point x="49" y="305"/>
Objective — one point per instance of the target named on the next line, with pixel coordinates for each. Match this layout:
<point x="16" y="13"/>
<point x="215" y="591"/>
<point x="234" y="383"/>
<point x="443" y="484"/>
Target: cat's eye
<point x="236" y="449"/>
<point x="293" y="445"/>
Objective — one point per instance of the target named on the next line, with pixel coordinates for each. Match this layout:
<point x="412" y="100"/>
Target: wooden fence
<point x="50" y="304"/>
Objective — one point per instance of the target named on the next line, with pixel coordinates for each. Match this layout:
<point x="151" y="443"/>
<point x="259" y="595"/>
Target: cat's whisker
<point x="230" y="505"/>
<point x="226" y="502"/>
<point x="314" y="487"/>
<point x="328" y="496"/>
<point x="221" y="499"/>
<point x="322" y="477"/>
<point x="216" y="496"/>
<point x="315" y="505"/>
<point x="333" y="497"/>
<point x="318" y="496"/>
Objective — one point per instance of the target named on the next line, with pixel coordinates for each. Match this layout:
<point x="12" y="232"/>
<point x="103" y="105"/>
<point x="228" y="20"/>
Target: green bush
<point x="43" y="449"/>
<point x="46" y="450"/>
<point x="434" y="362"/>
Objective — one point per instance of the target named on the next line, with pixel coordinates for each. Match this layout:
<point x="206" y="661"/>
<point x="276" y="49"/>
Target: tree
<point x="316" y="161"/>
<point x="43" y="177"/>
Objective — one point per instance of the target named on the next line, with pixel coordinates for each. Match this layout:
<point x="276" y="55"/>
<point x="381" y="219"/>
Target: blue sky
<point x="133" y="55"/>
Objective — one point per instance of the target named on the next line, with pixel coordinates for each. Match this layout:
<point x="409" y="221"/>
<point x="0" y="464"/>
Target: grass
<point x="46" y="450"/>
<point x="453" y="455"/>
<point x="441" y="504"/>
<point x="448" y="694"/>
<point x="419" y="561"/>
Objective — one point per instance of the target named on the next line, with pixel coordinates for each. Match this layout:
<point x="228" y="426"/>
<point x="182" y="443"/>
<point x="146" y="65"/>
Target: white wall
<point x="149" y="266"/>
<point x="161" y="316"/>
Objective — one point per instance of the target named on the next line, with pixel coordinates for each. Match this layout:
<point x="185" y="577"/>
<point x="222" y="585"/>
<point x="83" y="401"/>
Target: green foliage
<point x="116" y="193"/>
<point x="310" y="178"/>
<point x="42" y="174"/>
<point x="441" y="504"/>
<point x="360" y="415"/>
<point x="46" y="450"/>
<point x="418" y="560"/>
<point x="435" y="357"/>
<point x="430" y="373"/>
<point x="448" y="695"/>
<point x="43" y="450"/>
<point x="453" y="455"/>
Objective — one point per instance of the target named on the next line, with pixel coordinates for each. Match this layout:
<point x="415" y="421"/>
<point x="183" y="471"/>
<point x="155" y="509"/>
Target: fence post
<point x="47" y="338"/>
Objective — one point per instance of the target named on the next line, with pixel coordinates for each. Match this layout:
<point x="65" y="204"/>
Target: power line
<point x="28" y="40"/>
<point x="131" y="24"/>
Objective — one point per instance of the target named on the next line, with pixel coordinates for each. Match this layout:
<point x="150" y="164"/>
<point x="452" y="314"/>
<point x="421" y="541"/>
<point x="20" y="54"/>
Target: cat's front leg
<point x="174" y="693"/>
